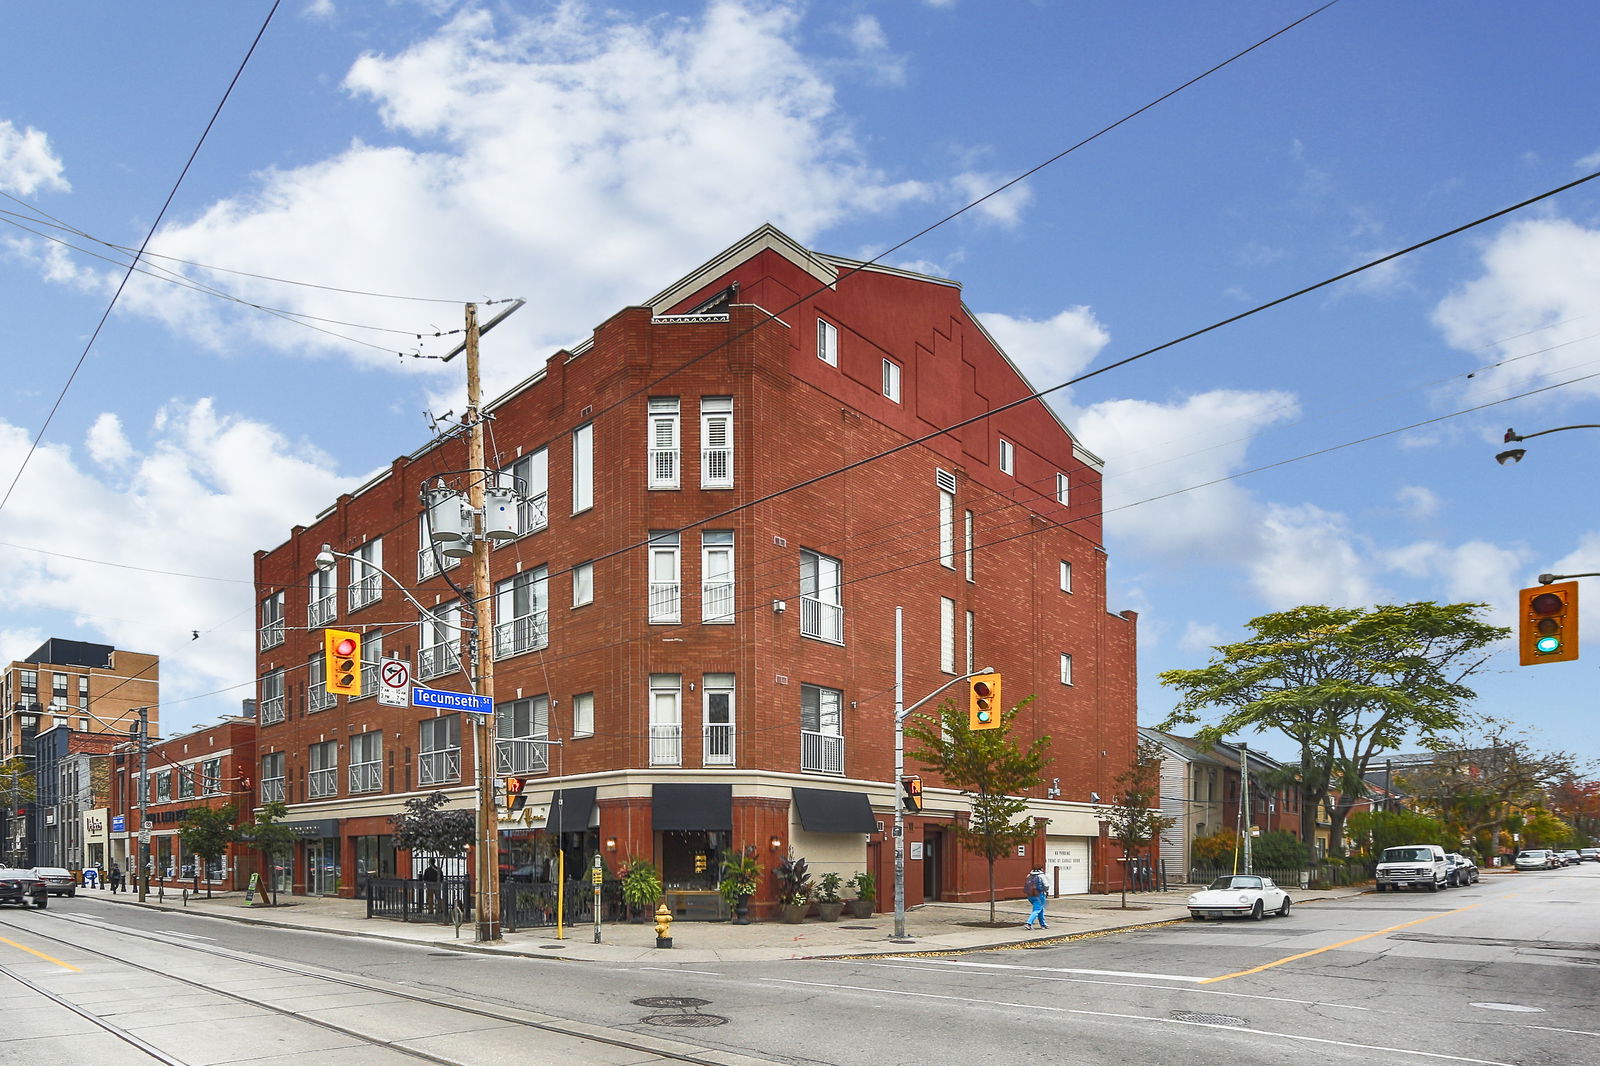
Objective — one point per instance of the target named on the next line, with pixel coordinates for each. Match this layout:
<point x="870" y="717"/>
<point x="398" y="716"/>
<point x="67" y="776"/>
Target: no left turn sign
<point x="395" y="690"/>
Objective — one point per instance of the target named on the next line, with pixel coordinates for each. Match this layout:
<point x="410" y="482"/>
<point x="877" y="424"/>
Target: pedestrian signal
<point x="1547" y="624"/>
<point x="516" y="794"/>
<point x="341" y="654"/>
<point x="911" y="793"/>
<point x="983" y="703"/>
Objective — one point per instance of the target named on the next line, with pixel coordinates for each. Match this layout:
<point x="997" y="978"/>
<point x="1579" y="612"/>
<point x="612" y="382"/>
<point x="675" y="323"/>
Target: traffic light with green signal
<point x="1547" y="623"/>
<point x="341" y="654"/>
<point x="983" y="702"/>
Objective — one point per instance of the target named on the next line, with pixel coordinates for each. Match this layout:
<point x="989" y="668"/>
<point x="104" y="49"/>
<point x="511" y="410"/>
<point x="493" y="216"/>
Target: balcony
<point x="439" y="767"/>
<point x="665" y="601"/>
<point x="521" y="755"/>
<point x="821" y="753"/>
<point x="716" y="468"/>
<point x="716" y="601"/>
<point x="272" y="790"/>
<point x="271" y="634"/>
<point x="367" y="590"/>
<point x="533" y="513"/>
<point x="528" y="633"/>
<point x="439" y="660"/>
<point x="272" y="710"/>
<point x="319" y="699"/>
<point x="369" y="680"/>
<point x="822" y="620"/>
<point x="663" y="468"/>
<point x="428" y="563"/>
<point x="666" y="744"/>
<point x="323" y="783"/>
<point x="366" y="776"/>
<point x="718" y="744"/>
<point x="322" y="610"/>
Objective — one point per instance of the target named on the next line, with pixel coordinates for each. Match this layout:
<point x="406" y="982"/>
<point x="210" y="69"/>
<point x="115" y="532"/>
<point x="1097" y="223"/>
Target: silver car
<point x="57" y="880"/>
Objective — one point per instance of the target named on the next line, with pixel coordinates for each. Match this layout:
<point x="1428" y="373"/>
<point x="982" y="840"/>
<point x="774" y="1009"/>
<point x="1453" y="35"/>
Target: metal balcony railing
<point x="272" y="790"/>
<point x="666" y="745"/>
<point x="439" y="660"/>
<point x="716" y="601"/>
<point x="521" y="755"/>
<point x="718" y="742"/>
<point x="365" y="591"/>
<point x="272" y="710"/>
<point x="323" y="783"/>
<point x="272" y="634"/>
<point x="318" y="698"/>
<point x="663" y="468"/>
<point x="439" y="767"/>
<point x="665" y="601"/>
<point x="322" y="610"/>
<point x="821" y="753"/>
<point x="366" y="776"/>
<point x="824" y="621"/>
<point x="716" y="468"/>
<point x="428" y="563"/>
<point x="528" y="633"/>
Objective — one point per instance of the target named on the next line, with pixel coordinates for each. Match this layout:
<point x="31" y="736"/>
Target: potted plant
<point x="641" y="887"/>
<point x="866" y="887"/>
<point x="829" y="905"/>
<point x="794" y="889"/>
<point x="741" y="876"/>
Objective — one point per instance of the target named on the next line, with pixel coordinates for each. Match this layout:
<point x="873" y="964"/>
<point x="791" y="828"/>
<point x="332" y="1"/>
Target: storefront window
<point x="691" y="859"/>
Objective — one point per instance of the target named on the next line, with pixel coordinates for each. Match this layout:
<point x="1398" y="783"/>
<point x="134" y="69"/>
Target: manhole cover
<point x="668" y="1002"/>
<point x="685" y="1021"/>
<point x="1518" y="1007"/>
<point x="1201" y="1018"/>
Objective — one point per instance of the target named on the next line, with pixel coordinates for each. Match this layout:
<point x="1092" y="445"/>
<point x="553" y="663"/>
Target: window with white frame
<point x="1007" y="457"/>
<point x="583" y="468"/>
<point x="322" y="777"/>
<point x="271" y="709"/>
<point x="439" y="641"/>
<point x="582" y="584"/>
<point x="716" y="575"/>
<point x="439" y="750"/>
<point x="821" y="730"/>
<point x="716" y="442"/>
<point x="821" y="589"/>
<point x="947" y="634"/>
<point x="318" y="698"/>
<point x="272" y="631"/>
<point x="186" y="782"/>
<point x="529" y="477"/>
<point x="1066" y="669"/>
<point x="827" y="342"/>
<point x="272" y="779"/>
<point x="583" y="714"/>
<point x="1063" y="489"/>
<point x="662" y="459"/>
<point x="323" y="600"/>
<point x="522" y="613"/>
<point x="946" y="482"/>
<point x="521" y="728"/>
<point x="366" y="762"/>
<point x="666" y="720"/>
<point x="665" y="592"/>
<point x="970" y="525"/>
<point x="83" y="692"/>
<point x="1066" y="576"/>
<point x="163" y="786"/>
<point x="366" y="582"/>
<point x="717" y="719"/>
<point x="371" y="661"/>
<point x="430" y="560"/>
<point x="211" y="777"/>
<point x="972" y="641"/>
<point x="891" y="380"/>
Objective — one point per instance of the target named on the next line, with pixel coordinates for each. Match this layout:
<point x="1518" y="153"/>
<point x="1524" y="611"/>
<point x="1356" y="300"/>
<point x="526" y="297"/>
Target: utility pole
<point x="144" y="802"/>
<point x="1244" y="788"/>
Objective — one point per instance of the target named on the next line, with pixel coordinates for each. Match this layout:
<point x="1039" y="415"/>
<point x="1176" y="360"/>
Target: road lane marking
<point x="40" y="954"/>
<point x="1340" y="944"/>
<point x="1079" y="1012"/>
<point x="186" y="936"/>
<point x="1065" y="969"/>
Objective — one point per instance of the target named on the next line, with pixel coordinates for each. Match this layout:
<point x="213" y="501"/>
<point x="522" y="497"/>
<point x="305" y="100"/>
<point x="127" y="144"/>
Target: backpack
<point x="1034" y="885"/>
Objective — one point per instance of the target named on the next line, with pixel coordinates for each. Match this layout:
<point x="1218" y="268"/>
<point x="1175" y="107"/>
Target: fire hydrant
<point x="663" y="927"/>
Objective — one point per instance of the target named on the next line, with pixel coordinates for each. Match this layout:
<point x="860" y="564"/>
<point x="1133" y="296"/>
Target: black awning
<point x="827" y="810"/>
<point x="570" y="809"/>
<point x="707" y="807"/>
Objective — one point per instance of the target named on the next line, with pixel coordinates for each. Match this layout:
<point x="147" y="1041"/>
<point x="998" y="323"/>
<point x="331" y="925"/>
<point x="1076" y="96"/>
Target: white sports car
<point x="1239" y="896"/>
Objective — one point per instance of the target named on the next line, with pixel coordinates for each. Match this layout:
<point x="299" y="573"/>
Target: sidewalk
<point x="931" y="927"/>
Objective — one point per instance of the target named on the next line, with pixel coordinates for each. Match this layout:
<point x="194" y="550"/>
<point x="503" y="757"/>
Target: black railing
<point x="532" y="905"/>
<point x="416" y="900"/>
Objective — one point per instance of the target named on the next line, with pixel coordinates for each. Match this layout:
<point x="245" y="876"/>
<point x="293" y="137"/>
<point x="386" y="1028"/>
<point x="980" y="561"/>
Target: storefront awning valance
<point x="570" y="809"/>
<point x="828" y="810"/>
<point x="708" y="807"/>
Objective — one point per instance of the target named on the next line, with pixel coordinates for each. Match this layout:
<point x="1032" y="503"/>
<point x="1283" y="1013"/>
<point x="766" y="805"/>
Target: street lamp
<point x="1514" y="455"/>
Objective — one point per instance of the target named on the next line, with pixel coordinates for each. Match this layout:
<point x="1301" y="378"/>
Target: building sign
<point x="452" y="701"/>
<point x="94" y="827"/>
<point x="119" y="823"/>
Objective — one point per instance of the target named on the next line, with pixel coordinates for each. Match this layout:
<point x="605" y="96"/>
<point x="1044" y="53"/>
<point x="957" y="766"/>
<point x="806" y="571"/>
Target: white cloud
<point x="1199" y="636"/>
<point x="1004" y="207"/>
<point x="1589" y="162"/>
<point x="27" y="164"/>
<point x="107" y="444"/>
<point x="1475" y="572"/>
<point x="1049" y="351"/>
<point x="1309" y="555"/>
<point x="1418" y="502"/>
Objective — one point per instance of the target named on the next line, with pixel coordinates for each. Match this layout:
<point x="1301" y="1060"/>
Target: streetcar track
<point x="575" y="1032"/>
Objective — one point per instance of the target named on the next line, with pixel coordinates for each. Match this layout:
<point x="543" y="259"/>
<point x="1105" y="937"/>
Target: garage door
<point x="1067" y="864"/>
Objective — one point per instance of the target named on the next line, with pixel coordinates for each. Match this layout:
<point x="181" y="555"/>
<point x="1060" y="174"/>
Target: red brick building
<point x="691" y="652"/>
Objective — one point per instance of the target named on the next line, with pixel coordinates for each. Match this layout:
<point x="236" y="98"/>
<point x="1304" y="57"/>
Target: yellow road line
<point x="40" y="954"/>
<point x="1340" y="944"/>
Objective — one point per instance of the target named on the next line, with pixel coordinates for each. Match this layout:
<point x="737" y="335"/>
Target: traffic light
<point x="341" y="655"/>
<point x="1547" y="624"/>
<point x="911" y="793"/>
<point x="516" y="794"/>
<point x="983" y="704"/>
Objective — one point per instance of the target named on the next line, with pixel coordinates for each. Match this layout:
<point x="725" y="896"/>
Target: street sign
<point x="452" y="701"/>
<point x="394" y="683"/>
<point x="144" y="834"/>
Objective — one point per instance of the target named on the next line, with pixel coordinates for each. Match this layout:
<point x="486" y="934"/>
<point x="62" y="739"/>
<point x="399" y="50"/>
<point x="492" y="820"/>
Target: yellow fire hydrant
<point x="663" y="927"/>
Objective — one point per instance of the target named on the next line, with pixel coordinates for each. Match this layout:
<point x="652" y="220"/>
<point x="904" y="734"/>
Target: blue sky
<point x="581" y="156"/>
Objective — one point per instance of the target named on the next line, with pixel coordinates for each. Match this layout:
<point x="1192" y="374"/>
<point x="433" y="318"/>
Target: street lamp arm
<point x="1513" y="435"/>
<point x="953" y="681"/>
<point x="327" y="564"/>
<point x="1545" y="579"/>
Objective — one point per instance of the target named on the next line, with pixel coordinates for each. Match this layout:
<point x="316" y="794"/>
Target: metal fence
<point x="414" y="900"/>
<point x="1336" y="874"/>
<point x="532" y="905"/>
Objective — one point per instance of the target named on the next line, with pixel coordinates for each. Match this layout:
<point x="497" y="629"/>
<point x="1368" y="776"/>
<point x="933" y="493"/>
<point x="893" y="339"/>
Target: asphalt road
<point x="1502" y="972"/>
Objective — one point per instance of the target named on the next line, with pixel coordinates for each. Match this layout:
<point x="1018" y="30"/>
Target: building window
<point x="272" y="790"/>
<point x="891" y="380"/>
<point x="1066" y="669"/>
<point x="270" y="709"/>
<point x="318" y="698"/>
<point x="972" y="641"/>
<point x="666" y="720"/>
<point x="947" y="634"/>
<point x="947" y="528"/>
<point x="968" y="553"/>
<point x="163" y="786"/>
<point x="663" y="448"/>
<point x="665" y="587"/>
<point x="821" y="730"/>
<point x="582" y="584"/>
<point x="366" y="583"/>
<point x="272" y="621"/>
<point x="1007" y="457"/>
<point x="522" y="603"/>
<point x="371" y="661"/>
<point x="583" y="468"/>
<point x="821" y="607"/>
<point x="58" y="689"/>
<point x="83" y="692"/>
<point x="716" y="575"/>
<point x="439" y="639"/>
<point x="185" y="782"/>
<point x="430" y="559"/>
<point x="521" y="730"/>
<point x="1063" y="489"/>
<point x="323" y="779"/>
<point x="717" y="719"/>
<point x="716" y="442"/>
<point x="439" y="750"/>
<point x="324" y="601"/>
<point x="366" y="762"/>
<point x="529" y="478"/>
<point x="1066" y="576"/>
<point x="583" y="714"/>
<point x="211" y="777"/>
<point x="827" y="342"/>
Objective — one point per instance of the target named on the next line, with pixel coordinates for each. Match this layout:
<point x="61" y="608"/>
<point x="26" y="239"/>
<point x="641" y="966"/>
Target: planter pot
<point x="862" y="908"/>
<point x="794" y="913"/>
<point x="829" y="912"/>
<point x="741" y="911"/>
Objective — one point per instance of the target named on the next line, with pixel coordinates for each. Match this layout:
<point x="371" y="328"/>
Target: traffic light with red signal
<point x="341" y="655"/>
<point x="1547" y="623"/>
<point x="983" y="702"/>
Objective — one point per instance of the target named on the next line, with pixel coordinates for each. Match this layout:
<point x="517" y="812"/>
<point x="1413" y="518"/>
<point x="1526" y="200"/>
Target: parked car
<point x="59" y="881"/>
<point x="1462" y="870"/>
<point x="20" y="886"/>
<point x="1534" y="859"/>
<point x="1413" y="866"/>
<point x="1589" y="854"/>
<point x="1571" y="858"/>
<point x="1239" y="896"/>
<point x="1556" y="860"/>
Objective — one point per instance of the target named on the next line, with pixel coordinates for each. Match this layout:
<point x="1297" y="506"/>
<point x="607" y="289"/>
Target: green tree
<point x="1345" y="684"/>
<point x="990" y="769"/>
<point x="1215" y="849"/>
<point x="206" y="832"/>
<point x="274" y="840"/>
<point x="426" y="826"/>
<point x="1373" y="831"/>
<point x="1133" y="819"/>
<point x="1279" y="850"/>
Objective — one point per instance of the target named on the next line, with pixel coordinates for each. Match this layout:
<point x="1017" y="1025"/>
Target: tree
<point x="206" y="833"/>
<point x="1132" y="816"/>
<point x="425" y="826"/>
<point x="1215" y="849"/>
<point x="16" y="792"/>
<point x="1345" y="683"/>
<point x="989" y="768"/>
<point x="1373" y="831"/>
<point x="1279" y="849"/>
<point x="274" y="840"/>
